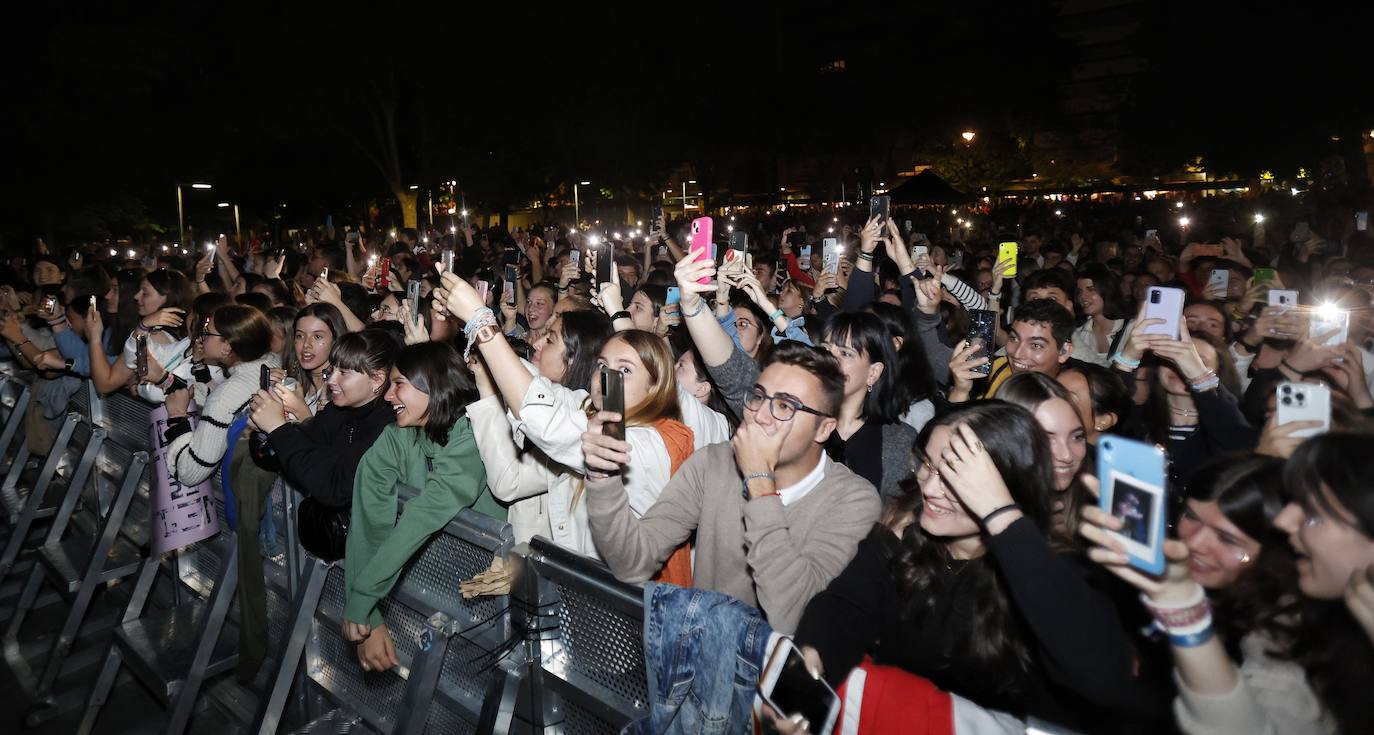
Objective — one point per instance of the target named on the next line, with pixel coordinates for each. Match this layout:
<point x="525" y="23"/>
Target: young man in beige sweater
<point x="775" y="519"/>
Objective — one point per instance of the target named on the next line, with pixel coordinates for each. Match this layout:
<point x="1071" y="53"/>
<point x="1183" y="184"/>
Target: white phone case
<point x="1283" y="297"/>
<point x="1303" y="402"/>
<point x="1162" y="302"/>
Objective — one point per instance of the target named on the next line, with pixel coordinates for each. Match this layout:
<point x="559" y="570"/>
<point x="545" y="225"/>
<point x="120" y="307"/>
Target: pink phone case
<point x="701" y="241"/>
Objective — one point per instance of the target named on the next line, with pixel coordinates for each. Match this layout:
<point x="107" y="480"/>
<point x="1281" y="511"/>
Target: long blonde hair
<point x="660" y="402"/>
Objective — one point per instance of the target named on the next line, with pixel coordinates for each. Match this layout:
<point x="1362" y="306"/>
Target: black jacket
<point x="320" y="456"/>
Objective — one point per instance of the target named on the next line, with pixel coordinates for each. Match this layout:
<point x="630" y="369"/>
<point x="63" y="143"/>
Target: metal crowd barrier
<point x="451" y="651"/>
<point x="562" y="653"/>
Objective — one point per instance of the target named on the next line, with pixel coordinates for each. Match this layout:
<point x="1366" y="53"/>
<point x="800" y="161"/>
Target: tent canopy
<point x="927" y="188"/>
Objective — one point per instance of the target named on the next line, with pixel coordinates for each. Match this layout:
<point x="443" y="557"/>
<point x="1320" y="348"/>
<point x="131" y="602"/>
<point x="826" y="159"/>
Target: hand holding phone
<point x="1163" y="302"/>
<point x="702" y="248"/>
<point x="141" y="357"/>
<point x="265" y="378"/>
<point x="1131" y="475"/>
<point x="1303" y="402"/>
<point x="788" y="687"/>
<point x="613" y="400"/>
<point x="981" y="326"/>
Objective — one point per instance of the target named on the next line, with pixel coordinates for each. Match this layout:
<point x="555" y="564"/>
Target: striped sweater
<point x="196" y="454"/>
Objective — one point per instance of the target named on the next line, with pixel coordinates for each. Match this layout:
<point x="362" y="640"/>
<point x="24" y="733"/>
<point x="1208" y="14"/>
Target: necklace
<point x="1184" y="412"/>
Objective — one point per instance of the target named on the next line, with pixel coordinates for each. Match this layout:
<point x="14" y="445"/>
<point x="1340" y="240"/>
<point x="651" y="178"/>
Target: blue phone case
<point x="674" y="296"/>
<point x="1132" y="476"/>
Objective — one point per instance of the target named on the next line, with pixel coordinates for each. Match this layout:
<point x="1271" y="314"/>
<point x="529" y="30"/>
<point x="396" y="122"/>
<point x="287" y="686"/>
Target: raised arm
<point x="712" y="343"/>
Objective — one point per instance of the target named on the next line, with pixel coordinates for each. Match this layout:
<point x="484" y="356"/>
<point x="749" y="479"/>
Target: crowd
<point x="880" y="432"/>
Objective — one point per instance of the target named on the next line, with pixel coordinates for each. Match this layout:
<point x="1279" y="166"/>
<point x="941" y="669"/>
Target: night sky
<point x="107" y="109"/>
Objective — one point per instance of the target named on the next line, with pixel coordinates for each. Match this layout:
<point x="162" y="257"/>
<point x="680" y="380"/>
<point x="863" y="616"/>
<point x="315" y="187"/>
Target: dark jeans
<point x="703" y="651"/>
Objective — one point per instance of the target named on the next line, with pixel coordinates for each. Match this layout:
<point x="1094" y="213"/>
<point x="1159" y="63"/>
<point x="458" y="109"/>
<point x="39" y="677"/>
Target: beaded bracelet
<point x="480" y="328"/>
<point x="701" y="304"/>
<point x="865" y="256"/>
<point x="1124" y="361"/>
<point x="1205" y="386"/>
<point x="1180" y="617"/>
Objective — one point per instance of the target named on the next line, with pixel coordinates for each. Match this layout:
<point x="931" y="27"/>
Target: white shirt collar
<point x="797" y="491"/>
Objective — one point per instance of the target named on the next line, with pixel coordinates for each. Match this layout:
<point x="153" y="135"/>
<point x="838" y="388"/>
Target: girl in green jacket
<point x="430" y="448"/>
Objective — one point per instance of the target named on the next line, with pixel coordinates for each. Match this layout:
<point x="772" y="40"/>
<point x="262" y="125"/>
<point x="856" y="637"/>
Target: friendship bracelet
<point x="754" y="476"/>
<point x="620" y="315"/>
<point x="774" y="316"/>
<point x="1192" y="640"/>
<point x="701" y="304"/>
<point x="999" y="511"/>
<point x="865" y="256"/>
<point x="1124" y="361"/>
<point x="1177" y="615"/>
<point x="1203" y="378"/>
<point x="1284" y="363"/>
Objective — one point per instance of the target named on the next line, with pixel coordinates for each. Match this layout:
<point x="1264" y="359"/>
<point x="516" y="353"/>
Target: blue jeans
<point x="697" y="685"/>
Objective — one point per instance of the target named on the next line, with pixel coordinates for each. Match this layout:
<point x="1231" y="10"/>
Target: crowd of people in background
<point x="877" y="430"/>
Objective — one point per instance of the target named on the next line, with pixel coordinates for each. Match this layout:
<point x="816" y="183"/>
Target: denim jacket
<point x="695" y="685"/>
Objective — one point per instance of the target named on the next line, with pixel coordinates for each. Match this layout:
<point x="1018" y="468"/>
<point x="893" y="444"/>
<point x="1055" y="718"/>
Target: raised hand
<point x="1174" y="586"/>
<point x="967" y="468"/>
<point x="603" y="454"/>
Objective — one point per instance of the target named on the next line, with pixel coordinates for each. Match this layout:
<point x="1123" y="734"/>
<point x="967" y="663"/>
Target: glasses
<point x="745" y="324"/>
<point x="782" y="407"/>
<point x="205" y="334"/>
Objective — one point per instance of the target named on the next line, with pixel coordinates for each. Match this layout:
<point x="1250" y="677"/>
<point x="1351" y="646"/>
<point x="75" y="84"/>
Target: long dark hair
<point x="1108" y="287"/>
<point x="998" y="642"/>
<point x="126" y="313"/>
<point x="438" y="371"/>
<point x="584" y="333"/>
<point x="915" y="380"/>
<point x="176" y="288"/>
<point x="682" y="344"/>
<point x="332" y="318"/>
<point x="1249" y="491"/>
<point x="866" y="333"/>
<point x="1332" y="648"/>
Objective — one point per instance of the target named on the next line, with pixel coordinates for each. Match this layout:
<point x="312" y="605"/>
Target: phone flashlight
<point x="131" y="253"/>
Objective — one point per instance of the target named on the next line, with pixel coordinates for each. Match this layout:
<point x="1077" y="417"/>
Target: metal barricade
<point x="15" y="393"/>
<point x="586" y="642"/>
<point x="25" y="504"/>
<point x="449" y="648"/>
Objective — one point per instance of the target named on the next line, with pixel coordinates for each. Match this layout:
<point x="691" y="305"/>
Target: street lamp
<point x="577" y="203"/>
<point x="181" y="220"/>
<point x="684" y="196"/>
<point x="238" y="229"/>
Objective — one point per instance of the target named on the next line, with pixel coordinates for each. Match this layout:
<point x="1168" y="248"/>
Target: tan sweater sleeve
<point x="635" y="548"/>
<point x="788" y="573"/>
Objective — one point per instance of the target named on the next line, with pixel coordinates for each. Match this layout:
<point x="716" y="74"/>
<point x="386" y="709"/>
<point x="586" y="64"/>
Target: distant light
<point x="572" y="230"/>
<point x="1178" y="205"/>
<point x="830" y="229"/>
<point x="732" y="218"/>
<point x="164" y="248"/>
<point x="584" y="183"/>
<point x="1259" y="218"/>
<point x="617" y="236"/>
<point x="453" y="229"/>
<point x="200" y="186"/>
<point x="1328" y="311"/>
<point x="424" y="239"/>
<point x="729" y="228"/>
<point x="640" y="223"/>
<point x="113" y="252"/>
<point x="1293" y="191"/>
<point x="691" y="181"/>
<point x="465" y="213"/>
<point x="131" y="252"/>
<point x="953" y="211"/>
<point x="1059" y="213"/>
<point x="413" y="187"/>
<point x="594" y="239"/>
<point x="453" y="210"/>
<point x="393" y="234"/>
<point x="1183" y="221"/>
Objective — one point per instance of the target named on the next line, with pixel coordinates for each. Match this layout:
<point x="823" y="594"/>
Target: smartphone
<point x="804" y="258"/>
<point x="1264" y="275"/>
<point x="701" y="242"/>
<point x="674" y="296"/>
<point x="1303" y="402"/>
<point x="1163" y="302"/>
<point x="906" y="227"/>
<point x="384" y="274"/>
<point x="1007" y="253"/>
<point x="1208" y="251"/>
<point x="510" y="256"/>
<point x="1330" y="319"/>
<point x="1152" y="234"/>
<point x="508" y="287"/>
<point x="613" y="399"/>
<point x="1220" y="278"/>
<point x="49" y="304"/>
<point x="656" y="213"/>
<point x="265" y="377"/>
<point x="141" y="356"/>
<point x="605" y="261"/>
<point x="981" y="325"/>
<point x="1301" y="232"/>
<point x="482" y="288"/>
<point x="447" y="258"/>
<point x="324" y="274"/>
<point x="739" y="247"/>
<point x="1286" y="298"/>
<point x="1131" y="476"/>
<point x="789" y="688"/>
<point x="413" y="298"/>
<point x="879" y="207"/>
<point x="830" y="255"/>
<point x="1362" y="221"/>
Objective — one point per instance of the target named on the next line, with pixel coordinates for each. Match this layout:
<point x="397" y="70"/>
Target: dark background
<point x="323" y="109"/>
